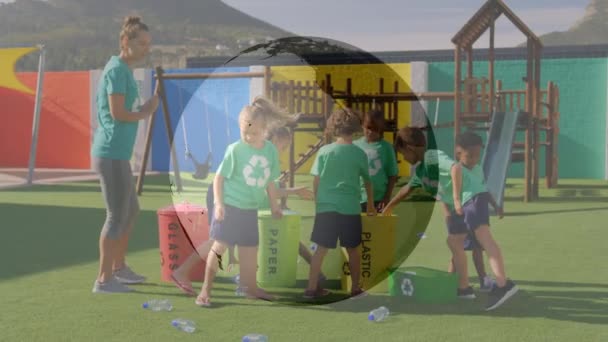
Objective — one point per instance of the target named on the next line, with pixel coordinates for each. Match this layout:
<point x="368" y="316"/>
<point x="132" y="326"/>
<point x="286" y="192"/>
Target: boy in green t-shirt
<point x="461" y="187"/>
<point x="338" y="169"/>
<point x="473" y="184"/>
<point x="382" y="161"/>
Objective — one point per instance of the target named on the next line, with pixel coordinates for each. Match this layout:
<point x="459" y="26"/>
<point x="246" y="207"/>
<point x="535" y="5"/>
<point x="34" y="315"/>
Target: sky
<point x="384" y="25"/>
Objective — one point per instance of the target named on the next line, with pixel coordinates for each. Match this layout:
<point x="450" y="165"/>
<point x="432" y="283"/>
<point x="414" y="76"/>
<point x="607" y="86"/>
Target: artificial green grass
<point x="555" y="249"/>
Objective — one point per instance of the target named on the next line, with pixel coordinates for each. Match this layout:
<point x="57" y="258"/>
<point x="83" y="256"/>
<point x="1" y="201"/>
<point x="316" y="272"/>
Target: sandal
<point x="261" y="295"/>
<point x="202" y="302"/>
<point x="183" y="287"/>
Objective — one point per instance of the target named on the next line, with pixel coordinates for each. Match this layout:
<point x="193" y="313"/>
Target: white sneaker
<point x="110" y="286"/>
<point x="126" y="276"/>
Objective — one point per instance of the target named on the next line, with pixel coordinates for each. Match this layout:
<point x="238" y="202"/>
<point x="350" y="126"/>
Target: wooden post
<point x="396" y="110"/>
<point x="555" y="142"/>
<point x="291" y="106"/>
<point x="457" y="90"/>
<point x="168" y="129"/>
<point x="330" y="101"/>
<point x="528" y="156"/>
<point x="283" y="94"/>
<point x="470" y="62"/>
<point x="549" y="137"/>
<point x="274" y="92"/>
<point x="267" y="81"/>
<point x="381" y="91"/>
<point x="500" y="98"/>
<point x="315" y="97"/>
<point x="349" y="92"/>
<point x="307" y="98"/>
<point x="291" y="99"/>
<point x="537" y="116"/>
<point x="299" y="88"/>
<point x="491" y="67"/>
<point x="292" y="158"/>
<point x="148" y="143"/>
<point x="470" y="87"/>
<point x="484" y="104"/>
<point x="325" y="106"/>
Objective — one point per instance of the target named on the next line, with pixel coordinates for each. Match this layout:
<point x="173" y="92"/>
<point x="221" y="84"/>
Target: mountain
<point x="592" y="28"/>
<point x="82" y="34"/>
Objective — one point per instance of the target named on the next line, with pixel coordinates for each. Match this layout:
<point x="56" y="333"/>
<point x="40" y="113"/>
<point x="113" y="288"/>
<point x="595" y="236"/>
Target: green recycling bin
<point x="423" y="285"/>
<point x="278" y="249"/>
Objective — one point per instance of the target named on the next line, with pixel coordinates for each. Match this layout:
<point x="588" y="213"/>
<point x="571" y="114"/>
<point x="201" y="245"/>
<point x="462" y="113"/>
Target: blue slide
<point x="497" y="154"/>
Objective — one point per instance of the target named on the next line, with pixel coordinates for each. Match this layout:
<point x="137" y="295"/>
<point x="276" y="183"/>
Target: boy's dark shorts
<point x="239" y="227"/>
<point x="476" y="214"/>
<point x="331" y="226"/>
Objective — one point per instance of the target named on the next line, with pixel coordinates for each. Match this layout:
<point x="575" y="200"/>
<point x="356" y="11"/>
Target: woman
<point x="118" y="118"/>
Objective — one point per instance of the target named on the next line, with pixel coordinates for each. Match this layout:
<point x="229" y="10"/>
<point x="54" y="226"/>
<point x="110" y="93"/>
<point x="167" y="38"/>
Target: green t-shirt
<point x="340" y="168"/>
<point x="247" y="172"/>
<point x="473" y="183"/>
<point x="115" y="139"/>
<point x="433" y="175"/>
<point x="382" y="164"/>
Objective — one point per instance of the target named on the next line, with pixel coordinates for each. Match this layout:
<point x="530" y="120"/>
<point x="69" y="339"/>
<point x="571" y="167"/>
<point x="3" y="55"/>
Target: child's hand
<point x="150" y="106"/>
<point x="277" y="213"/>
<point x="387" y="210"/>
<point x="304" y="193"/>
<point x="458" y="208"/>
<point x="500" y="212"/>
<point x="219" y="212"/>
<point x="371" y="211"/>
<point x="383" y="203"/>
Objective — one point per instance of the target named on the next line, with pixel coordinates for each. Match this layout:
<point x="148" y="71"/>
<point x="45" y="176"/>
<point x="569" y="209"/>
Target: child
<point x="240" y="186"/>
<point x="338" y="169"/>
<point x="382" y="161"/>
<point x="281" y="139"/>
<point x="471" y="244"/>
<point x="435" y="171"/>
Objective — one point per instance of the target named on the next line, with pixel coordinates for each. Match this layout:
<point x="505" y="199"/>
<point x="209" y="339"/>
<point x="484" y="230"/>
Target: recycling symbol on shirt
<point x="257" y="171"/>
<point x="375" y="164"/>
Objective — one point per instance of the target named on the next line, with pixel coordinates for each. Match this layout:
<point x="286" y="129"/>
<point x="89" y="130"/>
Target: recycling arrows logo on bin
<point x="252" y="174"/>
<point x="407" y="288"/>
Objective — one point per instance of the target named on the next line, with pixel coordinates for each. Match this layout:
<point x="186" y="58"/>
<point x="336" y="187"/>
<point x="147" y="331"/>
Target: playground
<point x="546" y="166"/>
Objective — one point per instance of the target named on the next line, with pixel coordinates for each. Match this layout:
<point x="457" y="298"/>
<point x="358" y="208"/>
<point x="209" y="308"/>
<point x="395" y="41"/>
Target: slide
<point x="497" y="154"/>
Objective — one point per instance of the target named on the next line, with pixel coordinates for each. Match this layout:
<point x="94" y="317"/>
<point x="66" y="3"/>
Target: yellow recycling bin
<point x="377" y="251"/>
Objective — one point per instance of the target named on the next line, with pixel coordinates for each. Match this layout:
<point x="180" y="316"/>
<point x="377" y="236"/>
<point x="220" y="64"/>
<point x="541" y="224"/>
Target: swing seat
<point x="201" y="170"/>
